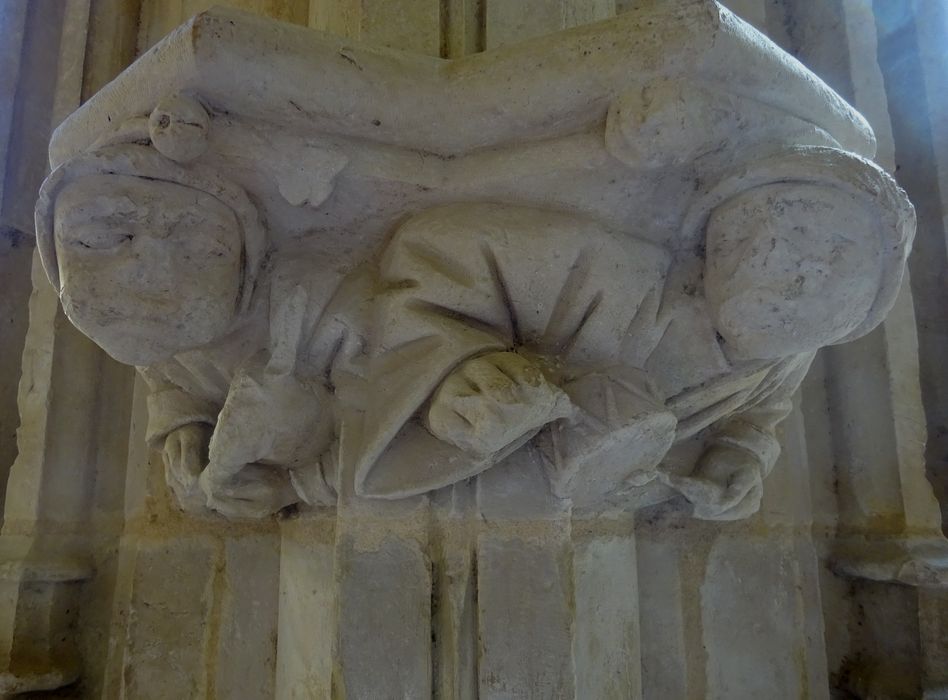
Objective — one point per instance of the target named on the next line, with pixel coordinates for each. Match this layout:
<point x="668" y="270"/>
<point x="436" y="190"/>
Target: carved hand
<point x="271" y="422"/>
<point x="255" y="491"/>
<point x="727" y="484"/>
<point x="184" y="455"/>
<point x="492" y="401"/>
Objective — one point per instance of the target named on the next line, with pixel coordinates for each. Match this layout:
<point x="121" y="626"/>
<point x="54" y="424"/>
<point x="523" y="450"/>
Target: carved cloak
<point x="466" y="280"/>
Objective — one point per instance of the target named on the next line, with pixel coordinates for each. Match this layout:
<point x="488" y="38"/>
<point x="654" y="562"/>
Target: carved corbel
<point x="633" y="316"/>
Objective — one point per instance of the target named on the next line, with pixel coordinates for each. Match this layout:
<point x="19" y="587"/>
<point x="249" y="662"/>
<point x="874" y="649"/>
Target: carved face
<point x="790" y="268"/>
<point x="148" y="269"/>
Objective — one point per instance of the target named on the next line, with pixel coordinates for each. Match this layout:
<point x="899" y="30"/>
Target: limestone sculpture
<point x="165" y="268"/>
<point x="566" y="248"/>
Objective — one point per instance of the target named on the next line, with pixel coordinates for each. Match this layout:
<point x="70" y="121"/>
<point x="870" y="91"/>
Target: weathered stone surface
<point x="663" y="622"/>
<point x="564" y="329"/>
<point x="307" y="619"/>
<point x="247" y="638"/>
<point x="607" y="646"/>
<point x="384" y="630"/>
<point x="749" y="586"/>
<point x="175" y="606"/>
<point x="483" y="332"/>
<point x="525" y="617"/>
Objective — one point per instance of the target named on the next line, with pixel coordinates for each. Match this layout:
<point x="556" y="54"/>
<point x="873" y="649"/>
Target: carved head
<point x="803" y="252"/>
<point x="150" y="257"/>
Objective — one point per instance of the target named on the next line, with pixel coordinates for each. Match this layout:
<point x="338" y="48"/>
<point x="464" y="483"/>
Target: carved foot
<point x="620" y="427"/>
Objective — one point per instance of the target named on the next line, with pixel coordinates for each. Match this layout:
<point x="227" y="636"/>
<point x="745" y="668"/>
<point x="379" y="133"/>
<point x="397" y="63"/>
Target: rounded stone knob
<point x="178" y="128"/>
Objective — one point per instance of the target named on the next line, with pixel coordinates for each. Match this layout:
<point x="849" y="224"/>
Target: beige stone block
<point x="452" y="547"/>
<point x="175" y="589"/>
<point x="885" y="656"/>
<point x="37" y="651"/>
<point x="512" y="22"/>
<point x="933" y="630"/>
<point x="44" y="483"/>
<point x="525" y="617"/>
<point x="516" y="491"/>
<point x="811" y="571"/>
<point x="753" y="620"/>
<point x="246" y="654"/>
<point x="579" y="12"/>
<point x="160" y="17"/>
<point x="662" y="621"/>
<point x="462" y="27"/>
<point x="383" y="593"/>
<point x="307" y="615"/>
<point x="866" y="459"/>
<point x="606" y="643"/>
<point x="410" y="25"/>
<point x="113" y="41"/>
<point x="787" y="493"/>
<point x="820" y="456"/>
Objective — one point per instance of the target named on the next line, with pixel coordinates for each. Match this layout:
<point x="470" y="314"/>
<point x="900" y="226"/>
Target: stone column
<point x="734" y="610"/>
<point x="66" y="489"/>
<point x="888" y="523"/>
<point x="913" y="69"/>
<point x="210" y="585"/>
<point x="15" y="249"/>
<point x="873" y="391"/>
<point x="44" y="553"/>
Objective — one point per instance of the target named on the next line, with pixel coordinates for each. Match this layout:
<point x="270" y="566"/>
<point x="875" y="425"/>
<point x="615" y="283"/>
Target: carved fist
<point x="271" y="423"/>
<point x="184" y="455"/>
<point x="492" y="401"/>
<point x="726" y="485"/>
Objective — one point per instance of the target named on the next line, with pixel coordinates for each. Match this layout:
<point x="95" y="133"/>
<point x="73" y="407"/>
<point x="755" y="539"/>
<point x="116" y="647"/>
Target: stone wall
<point x="829" y="591"/>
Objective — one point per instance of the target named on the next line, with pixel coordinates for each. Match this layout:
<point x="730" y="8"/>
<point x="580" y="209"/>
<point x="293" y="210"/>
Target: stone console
<point x="617" y="259"/>
<point x="546" y="284"/>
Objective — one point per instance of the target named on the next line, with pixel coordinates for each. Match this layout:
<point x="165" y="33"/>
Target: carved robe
<point x="471" y="279"/>
<point x="262" y="388"/>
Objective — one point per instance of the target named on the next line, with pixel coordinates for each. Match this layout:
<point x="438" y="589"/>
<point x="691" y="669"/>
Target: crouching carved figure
<point x="167" y="266"/>
<point x="621" y="362"/>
